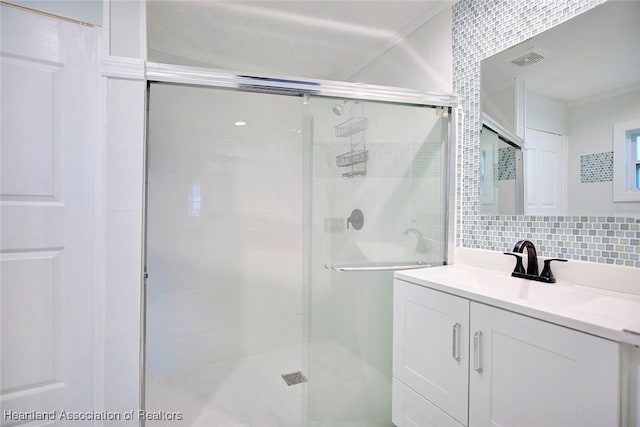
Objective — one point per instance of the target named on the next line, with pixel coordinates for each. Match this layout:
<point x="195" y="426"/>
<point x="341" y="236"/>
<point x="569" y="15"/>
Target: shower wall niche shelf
<point x="356" y="158"/>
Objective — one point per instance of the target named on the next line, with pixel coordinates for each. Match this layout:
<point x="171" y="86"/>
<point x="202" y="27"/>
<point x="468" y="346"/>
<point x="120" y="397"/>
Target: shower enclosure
<point x="275" y="219"/>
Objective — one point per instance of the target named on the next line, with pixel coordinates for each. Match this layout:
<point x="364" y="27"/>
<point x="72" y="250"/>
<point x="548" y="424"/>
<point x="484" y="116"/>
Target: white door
<point x="430" y="352"/>
<point x="525" y="372"/>
<point x="49" y="131"/>
<point x="544" y="173"/>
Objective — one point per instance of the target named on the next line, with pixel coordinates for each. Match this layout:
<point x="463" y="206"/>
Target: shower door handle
<point x="375" y="267"/>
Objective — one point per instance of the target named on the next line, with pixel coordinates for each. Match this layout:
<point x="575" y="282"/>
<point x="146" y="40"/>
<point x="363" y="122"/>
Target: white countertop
<point x="599" y="312"/>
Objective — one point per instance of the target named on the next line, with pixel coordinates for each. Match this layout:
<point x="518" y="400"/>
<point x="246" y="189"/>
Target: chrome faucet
<point x="421" y="246"/>
<point x="531" y="272"/>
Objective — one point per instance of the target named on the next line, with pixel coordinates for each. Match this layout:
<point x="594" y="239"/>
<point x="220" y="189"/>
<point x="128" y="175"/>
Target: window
<point x="632" y="141"/>
<point x="626" y="161"/>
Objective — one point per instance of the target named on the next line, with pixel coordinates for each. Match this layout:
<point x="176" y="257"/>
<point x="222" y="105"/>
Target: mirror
<point x="571" y="95"/>
<point x="500" y="170"/>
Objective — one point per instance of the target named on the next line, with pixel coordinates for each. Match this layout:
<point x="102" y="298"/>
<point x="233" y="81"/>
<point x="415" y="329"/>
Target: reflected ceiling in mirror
<point x="563" y="91"/>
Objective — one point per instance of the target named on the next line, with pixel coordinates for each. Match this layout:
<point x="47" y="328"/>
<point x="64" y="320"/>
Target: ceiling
<point x="595" y="53"/>
<point x="316" y="39"/>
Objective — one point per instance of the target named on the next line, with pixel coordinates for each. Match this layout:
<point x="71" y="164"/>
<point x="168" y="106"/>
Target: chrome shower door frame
<point x="304" y="88"/>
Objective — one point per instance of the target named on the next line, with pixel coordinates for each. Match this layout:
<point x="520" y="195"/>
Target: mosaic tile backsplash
<point x="596" y="167"/>
<point x="608" y="240"/>
<point x="482" y="28"/>
<point x="506" y="163"/>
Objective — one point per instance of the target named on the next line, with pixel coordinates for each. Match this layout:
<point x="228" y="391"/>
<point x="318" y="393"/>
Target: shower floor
<point x="251" y="392"/>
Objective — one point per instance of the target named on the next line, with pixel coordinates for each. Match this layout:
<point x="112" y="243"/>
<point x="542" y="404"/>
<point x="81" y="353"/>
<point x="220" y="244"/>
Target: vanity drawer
<point x="410" y="409"/>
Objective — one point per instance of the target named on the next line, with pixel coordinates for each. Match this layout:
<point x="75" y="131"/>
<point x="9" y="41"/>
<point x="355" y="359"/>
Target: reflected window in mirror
<point x="635" y="138"/>
<point x="627" y="161"/>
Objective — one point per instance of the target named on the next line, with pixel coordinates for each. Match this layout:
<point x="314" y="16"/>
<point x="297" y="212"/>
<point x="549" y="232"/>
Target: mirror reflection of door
<point x="544" y="177"/>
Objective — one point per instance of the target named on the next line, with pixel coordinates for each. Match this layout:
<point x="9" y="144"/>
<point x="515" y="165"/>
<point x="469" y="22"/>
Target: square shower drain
<point x="293" y="378"/>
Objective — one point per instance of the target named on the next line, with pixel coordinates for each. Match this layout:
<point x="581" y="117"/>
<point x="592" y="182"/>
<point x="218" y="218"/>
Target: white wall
<point x="500" y="106"/>
<point x="591" y="131"/>
<point x="123" y="204"/>
<point x="124" y="89"/>
<point x="423" y="60"/>
<point x="89" y="11"/>
<point x="545" y="114"/>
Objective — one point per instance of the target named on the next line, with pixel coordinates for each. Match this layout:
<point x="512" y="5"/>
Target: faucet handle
<point x="519" y="266"/>
<point x="547" y="274"/>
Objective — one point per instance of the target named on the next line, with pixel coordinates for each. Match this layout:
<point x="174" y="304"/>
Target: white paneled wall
<point x="123" y="256"/>
<point x="124" y="88"/>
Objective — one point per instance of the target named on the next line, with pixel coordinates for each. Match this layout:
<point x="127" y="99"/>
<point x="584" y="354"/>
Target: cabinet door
<point x="526" y="372"/>
<point x="430" y="346"/>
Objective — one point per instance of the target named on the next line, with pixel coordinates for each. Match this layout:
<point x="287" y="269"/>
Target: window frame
<point x="636" y="169"/>
<point x="625" y="162"/>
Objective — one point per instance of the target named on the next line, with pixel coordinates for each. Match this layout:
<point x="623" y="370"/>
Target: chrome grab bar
<point x="376" y="267"/>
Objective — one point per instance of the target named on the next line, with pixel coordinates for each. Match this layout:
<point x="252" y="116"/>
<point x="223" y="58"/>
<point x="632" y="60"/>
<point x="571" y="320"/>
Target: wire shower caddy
<point x="357" y="157"/>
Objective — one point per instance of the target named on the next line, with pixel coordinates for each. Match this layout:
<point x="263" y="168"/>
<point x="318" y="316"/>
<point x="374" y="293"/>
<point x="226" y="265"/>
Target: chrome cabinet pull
<point x="456" y="341"/>
<point x="477" y="351"/>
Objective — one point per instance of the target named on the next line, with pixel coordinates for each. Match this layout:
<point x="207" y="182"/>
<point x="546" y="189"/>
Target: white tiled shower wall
<point x="405" y="159"/>
<point x="224" y="221"/>
<point x="481" y="29"/>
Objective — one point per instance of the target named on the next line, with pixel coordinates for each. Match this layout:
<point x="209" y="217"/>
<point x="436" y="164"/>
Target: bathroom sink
<point x="600" y="312"/>
<point x="506" y="287"/>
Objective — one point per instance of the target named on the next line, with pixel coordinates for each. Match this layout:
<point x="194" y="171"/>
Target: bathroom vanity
<point x="475" y="347"/>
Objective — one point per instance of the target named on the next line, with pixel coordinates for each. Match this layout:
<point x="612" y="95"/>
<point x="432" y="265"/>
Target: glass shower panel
<point x="224" y="256"/>
<point x="377" y="201"/>
<point x="488" y="172"/>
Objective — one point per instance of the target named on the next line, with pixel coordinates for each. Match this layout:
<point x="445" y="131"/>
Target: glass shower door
<point x="224" y="256"/>
<point x="377" y="181"/>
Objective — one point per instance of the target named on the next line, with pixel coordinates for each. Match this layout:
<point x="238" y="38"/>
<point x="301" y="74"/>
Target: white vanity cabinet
<point x="430" y="351"/>
<point x="458" y="362"/>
